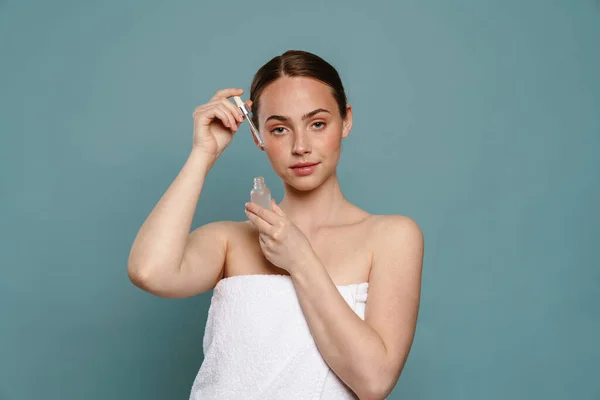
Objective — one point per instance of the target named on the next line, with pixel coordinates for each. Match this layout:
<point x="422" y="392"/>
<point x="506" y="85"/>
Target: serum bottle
<point x="260" y="193"/>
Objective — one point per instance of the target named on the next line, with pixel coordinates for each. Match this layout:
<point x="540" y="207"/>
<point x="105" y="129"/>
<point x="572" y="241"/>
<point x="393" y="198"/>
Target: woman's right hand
<point x="216" y="122"/>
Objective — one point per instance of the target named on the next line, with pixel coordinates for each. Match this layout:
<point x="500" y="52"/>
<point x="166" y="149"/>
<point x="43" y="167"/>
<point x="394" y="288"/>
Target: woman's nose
<point x="301" y="144"/>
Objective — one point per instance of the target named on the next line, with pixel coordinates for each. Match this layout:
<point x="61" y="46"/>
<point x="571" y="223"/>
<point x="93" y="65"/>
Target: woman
<point x="289" y="316"/>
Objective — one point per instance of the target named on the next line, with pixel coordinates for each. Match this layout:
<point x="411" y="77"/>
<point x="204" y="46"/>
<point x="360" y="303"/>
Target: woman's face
<point x="300" y="122"/>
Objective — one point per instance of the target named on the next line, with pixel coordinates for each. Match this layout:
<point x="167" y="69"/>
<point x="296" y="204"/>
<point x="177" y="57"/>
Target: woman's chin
<point x="303" y="186"/>
<point x="304" y="183"/>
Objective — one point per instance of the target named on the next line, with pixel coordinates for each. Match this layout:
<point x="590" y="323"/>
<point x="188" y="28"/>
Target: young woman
<point x="289" y="316"/>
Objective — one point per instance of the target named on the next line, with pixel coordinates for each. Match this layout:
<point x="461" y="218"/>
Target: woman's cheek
<point x="332" y="143"/>
<point x="276" y="153"/>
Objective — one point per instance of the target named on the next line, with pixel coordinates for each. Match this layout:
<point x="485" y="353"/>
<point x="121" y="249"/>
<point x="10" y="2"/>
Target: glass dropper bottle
<point x="260" y="193"/>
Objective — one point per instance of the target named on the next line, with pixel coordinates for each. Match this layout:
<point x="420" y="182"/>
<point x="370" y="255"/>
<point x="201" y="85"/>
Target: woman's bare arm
<point x="165" y="259"/>
<point x="368" y="355"/>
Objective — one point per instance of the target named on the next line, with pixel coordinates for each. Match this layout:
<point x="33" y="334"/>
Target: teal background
<point x="479" y="119"/>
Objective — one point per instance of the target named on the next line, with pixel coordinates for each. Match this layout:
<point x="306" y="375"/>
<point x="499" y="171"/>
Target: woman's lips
<point x="304" y="170"/>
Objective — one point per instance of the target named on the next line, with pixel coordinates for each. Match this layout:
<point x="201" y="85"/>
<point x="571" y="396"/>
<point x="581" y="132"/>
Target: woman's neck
<point x="313" y="209"/>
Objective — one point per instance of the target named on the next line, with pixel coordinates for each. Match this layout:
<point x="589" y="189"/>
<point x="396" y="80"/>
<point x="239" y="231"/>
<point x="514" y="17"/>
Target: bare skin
<point x="345" y="249"/>
<point x="339" y="232"/>
<point x="314" y="235"/>
<point x="168" y="261"/>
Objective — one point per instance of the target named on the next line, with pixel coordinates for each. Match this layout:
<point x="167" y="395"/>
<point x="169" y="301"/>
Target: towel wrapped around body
<point x="257" y="343"/>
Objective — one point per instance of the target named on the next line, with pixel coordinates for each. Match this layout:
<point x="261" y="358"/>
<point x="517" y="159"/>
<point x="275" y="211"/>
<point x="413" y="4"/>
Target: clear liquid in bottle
<point x="260" y="193"/>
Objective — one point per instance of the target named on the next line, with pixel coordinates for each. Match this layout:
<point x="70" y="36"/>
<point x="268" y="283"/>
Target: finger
<point x="263" y="213"/>
<point x="276" y="209"/>
<point x="225" y="93"/>
<point x="215" y="101"/>
<point x="218" y="114"/>
<point x="235" y="111"/>
<point x="260" y="224"/>
<point x="201" y="108"/>
<point x="208" y="114"/>
<point x="232" y="122"/>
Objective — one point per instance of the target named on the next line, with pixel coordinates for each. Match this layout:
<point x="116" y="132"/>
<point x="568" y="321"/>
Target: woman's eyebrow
<point x="305" y="116"/>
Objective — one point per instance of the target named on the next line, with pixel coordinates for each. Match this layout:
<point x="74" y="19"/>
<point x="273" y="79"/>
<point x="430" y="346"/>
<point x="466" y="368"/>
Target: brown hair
<point x="294" y="63"/>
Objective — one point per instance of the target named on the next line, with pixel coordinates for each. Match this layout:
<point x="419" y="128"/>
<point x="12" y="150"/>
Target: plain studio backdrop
<point x="478" y="119"/>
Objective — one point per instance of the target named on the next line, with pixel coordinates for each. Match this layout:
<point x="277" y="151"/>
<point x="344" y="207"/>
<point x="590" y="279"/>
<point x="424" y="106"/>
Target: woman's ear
<point x="347" y="122"/>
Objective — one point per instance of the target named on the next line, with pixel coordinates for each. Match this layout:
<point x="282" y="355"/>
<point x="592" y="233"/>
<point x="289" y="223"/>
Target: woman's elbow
<point x="138" y="277"/>
<point x="375" y="391"/>
<point x="379" y="386"/>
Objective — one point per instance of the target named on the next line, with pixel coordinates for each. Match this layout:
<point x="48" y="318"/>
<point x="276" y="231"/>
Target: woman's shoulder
<point x="397" y="244"/>
<point x="395" y="221"/>
<point x="388" y="227"/>
<point x="232" y="228"/>
<point x="228" y="230"/>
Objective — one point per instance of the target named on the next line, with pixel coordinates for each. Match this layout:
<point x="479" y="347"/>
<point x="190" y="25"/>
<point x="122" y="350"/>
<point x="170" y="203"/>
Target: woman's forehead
<point x="295" y="96"/>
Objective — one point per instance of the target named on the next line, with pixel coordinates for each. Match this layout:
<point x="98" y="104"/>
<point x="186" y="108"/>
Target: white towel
<point x="257" y="344"/>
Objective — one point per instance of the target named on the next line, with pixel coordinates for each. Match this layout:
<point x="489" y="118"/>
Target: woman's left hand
<point x="281" y="241"/>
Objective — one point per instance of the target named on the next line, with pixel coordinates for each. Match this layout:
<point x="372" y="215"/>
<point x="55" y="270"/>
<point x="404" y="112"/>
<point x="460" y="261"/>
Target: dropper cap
<point x="240" y="104"/>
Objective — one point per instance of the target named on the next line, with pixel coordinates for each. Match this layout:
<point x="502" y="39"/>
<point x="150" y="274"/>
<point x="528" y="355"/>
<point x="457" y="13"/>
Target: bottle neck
<point x="259" y="183"/>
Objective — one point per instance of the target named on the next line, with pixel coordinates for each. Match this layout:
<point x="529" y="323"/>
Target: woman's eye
<point x="277" y="131"/>
<point x="319" y="125"/>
